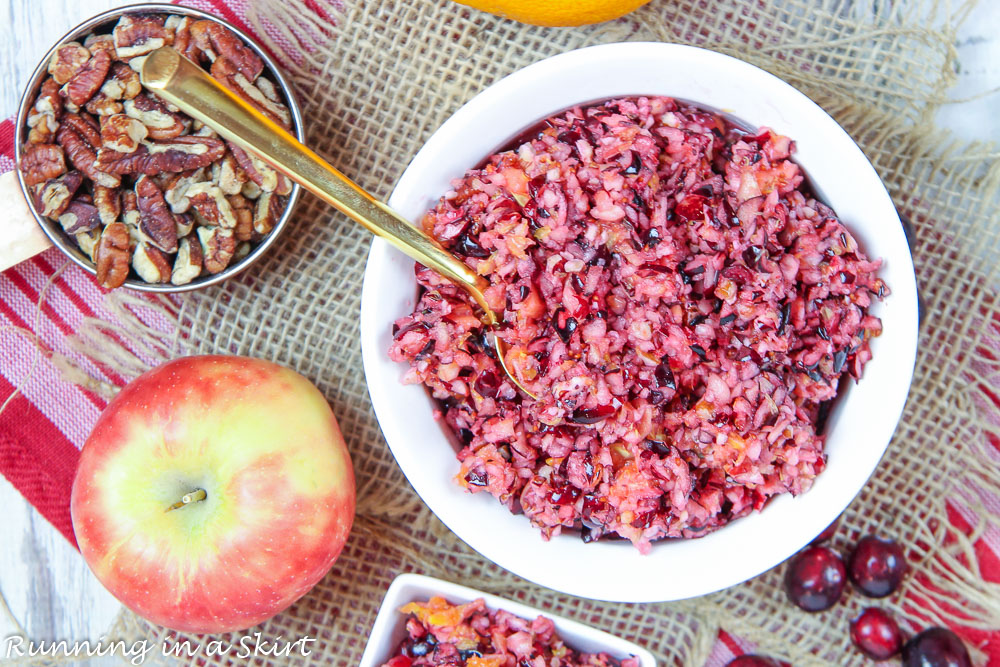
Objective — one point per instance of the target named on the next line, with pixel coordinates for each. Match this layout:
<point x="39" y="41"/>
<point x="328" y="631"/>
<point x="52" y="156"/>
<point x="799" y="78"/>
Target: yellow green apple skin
<point x="262" y="444"/>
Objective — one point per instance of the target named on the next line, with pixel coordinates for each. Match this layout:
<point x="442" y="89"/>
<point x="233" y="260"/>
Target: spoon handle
<point x="188" y="87"/>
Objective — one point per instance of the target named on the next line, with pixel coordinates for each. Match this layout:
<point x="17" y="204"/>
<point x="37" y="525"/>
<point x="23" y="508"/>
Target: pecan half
<point x="41" y="162"/>
<point x="80" y="141"/>
<point x="54" y="196"/>
<point x="226" y="72"/>
<point x="251" y="190"/>
<point x="139" y="36"/>
<point x="217" y="246"/>
<point x="67" y="61"/>
<point x="108" y="202"/>
<point x="85" y="83"/>
<point x="122" y="133"/>
<point x="180" y="154"/>
<point x="216" y="42"/>
<point x="49" y="101"/>
<point x="151" y="112"/>
<point x="112" y="255"/>
<point x="121" y="84"/>
<point x="183" y="42"/>
<point x="79" y="217"/>
<point x="210" y="205"/>
<point x="156" y="222"/>
<point x="259" y="172"/>
<point x="266" y="214"/>
<point x="187" y="265"/>
<point x="243" y="210"/>
<point x="151" y="264"/>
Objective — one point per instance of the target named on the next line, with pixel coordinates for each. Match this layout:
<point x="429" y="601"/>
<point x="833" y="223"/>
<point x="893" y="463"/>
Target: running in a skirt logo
<point x="249" y="646"/>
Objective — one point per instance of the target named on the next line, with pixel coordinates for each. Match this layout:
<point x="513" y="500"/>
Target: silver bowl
<point x="54" y="231"/>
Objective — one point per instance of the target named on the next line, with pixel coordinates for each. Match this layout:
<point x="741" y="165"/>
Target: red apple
<point x="213" y="492"/>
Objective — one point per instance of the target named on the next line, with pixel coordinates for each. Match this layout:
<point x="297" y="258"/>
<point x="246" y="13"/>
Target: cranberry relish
<point x="681" y="305"/>
<point x="440" y="633"/>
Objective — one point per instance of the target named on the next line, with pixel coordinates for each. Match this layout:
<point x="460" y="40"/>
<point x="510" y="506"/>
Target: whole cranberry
<point x="876" y="634"/>
<point x="815" y="578"/>
<point x="936" y="647"/>
<point x="877" y="566"/>
<point x="751" y="661"/>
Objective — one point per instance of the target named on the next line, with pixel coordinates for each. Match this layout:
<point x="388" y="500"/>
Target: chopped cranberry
<point x="876" y="634"/>
<point x="487" y="384"/>
<point x="751" y="661"/>
<point x="936" y="647"/>
<point x="592" y="415"/>
<point x="664" y="376"/>
<point x="815" y="578"/>
<point x="691" y="208"/>
<point x="877" y="566"/>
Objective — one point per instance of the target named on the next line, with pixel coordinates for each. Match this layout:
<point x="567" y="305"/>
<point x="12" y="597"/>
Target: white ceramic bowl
<point x="858" y="430"/>
<point x="389" y="628"/>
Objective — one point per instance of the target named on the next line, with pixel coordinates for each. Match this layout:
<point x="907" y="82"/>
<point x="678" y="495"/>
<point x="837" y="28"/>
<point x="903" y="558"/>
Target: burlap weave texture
<point x="378" y="83"/>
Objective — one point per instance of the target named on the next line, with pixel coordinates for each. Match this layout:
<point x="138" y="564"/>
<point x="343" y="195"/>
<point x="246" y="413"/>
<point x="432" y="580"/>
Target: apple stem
<point x="188" y="498"/>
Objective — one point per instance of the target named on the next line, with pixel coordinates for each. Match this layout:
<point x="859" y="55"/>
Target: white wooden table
<point x="51" y="592"/>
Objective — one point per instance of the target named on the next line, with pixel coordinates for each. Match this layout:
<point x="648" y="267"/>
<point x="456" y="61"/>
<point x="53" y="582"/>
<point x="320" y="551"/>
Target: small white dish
<point x="389" y="628"/>
<point x="859" y="428"/>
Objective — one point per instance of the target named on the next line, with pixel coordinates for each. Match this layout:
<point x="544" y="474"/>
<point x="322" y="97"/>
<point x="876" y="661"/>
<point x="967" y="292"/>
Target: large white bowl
<point x="859" y="428"/>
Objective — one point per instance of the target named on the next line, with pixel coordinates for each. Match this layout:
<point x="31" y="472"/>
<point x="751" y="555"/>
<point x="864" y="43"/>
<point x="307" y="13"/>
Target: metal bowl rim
<point x="55" y="233"/>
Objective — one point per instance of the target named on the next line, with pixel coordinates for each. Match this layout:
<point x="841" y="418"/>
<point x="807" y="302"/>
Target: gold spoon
<point x="188" y="87"/>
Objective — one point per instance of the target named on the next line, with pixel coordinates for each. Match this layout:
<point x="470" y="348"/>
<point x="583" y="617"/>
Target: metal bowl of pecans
<point x="129" y="188"/>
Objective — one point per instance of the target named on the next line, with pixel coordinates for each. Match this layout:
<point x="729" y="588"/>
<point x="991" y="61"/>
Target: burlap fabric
<point x="373" y="89"/>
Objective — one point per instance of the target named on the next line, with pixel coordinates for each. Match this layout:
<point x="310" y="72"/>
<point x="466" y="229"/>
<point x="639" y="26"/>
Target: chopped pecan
<point x="43" y="119"/>
<point x="217" y="247"/>
<point x="79" y="217"/>
<point x="157" y="157"/>
<point x="151" y="112"/>
<point x="185" y="223"/>
<point x="122" y="133"/>
<point x="210" y="205"/>
<point x="218" y="42"/>
<point x="54" y="196"/>
<point x="130" y="208"/>
<point x="259" y="172"/>
<point x="187" y="265"/>
<point x="251" y="190"/>
<point x="67" y="61"/>
<point x="43" y="128"/>
<point x="113" y="255"/>
<point x="85" y="83"/>
<point x="226" y="72"/>
<point x="80" y="140"/>
<point x="266" y="214"/>
<point x="41" y="162"/>
<point x="151" y="264"/>
<point x="243" y="210"/>
<point x="108" y="202"/>
<point x="226" y="173"/>
<point x="140" y="35"/>
<point x="49" y="101"/>
<point x="121" y="84"/>
<point x="156" y="222"/>
<point x="174" y="191"/>
<point x="242" y="250"/>
<point x="88" y="242"/>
